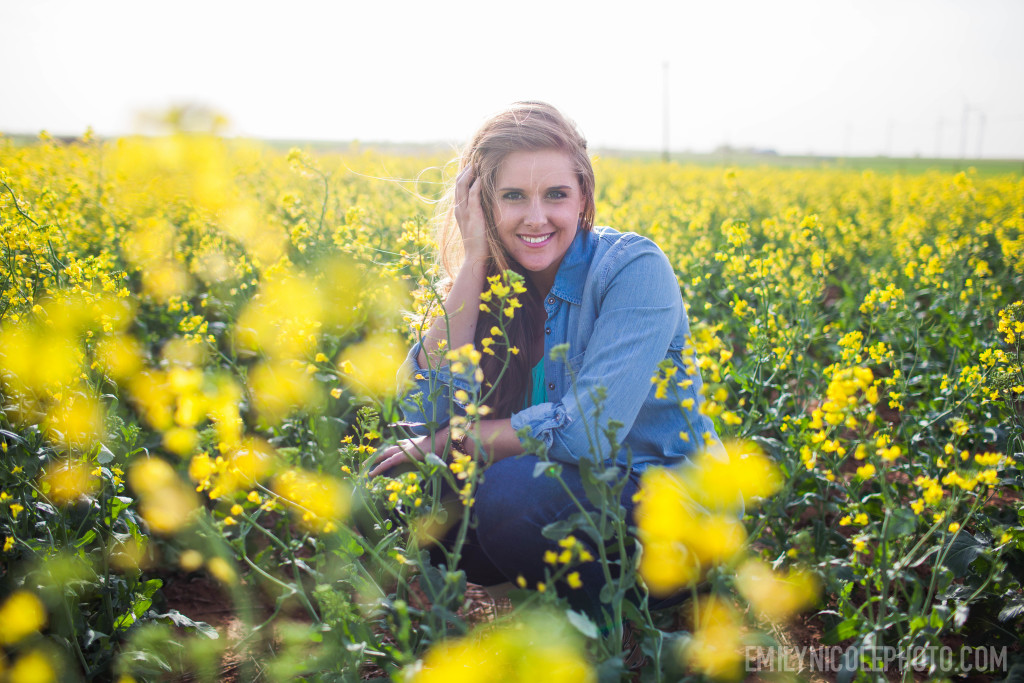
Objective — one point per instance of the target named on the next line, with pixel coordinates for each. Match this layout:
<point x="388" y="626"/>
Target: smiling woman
<point x="524" y="202"/>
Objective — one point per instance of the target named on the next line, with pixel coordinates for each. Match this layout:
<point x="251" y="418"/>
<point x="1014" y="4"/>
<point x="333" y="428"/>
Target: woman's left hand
<point x="406" y="450"/>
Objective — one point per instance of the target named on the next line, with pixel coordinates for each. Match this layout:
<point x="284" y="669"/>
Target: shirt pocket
<point x="573" y="366"/>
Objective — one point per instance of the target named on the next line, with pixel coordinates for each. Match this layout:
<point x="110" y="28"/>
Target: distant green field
<point x="913" y="166"/>
<point x="746" y="159"/>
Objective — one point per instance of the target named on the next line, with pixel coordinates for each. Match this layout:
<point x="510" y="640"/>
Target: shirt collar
<point x="572" y="273"/>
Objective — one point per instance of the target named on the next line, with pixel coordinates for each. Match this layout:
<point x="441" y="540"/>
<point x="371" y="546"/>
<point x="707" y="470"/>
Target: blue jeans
<point x="505" y="541"/>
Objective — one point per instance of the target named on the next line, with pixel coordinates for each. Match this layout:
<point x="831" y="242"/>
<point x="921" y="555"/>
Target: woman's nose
<point x="535" y="213"/>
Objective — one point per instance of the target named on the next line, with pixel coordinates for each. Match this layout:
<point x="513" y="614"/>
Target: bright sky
<point x="902" y="77"/>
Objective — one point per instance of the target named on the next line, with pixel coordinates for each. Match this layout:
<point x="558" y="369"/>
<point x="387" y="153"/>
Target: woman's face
<point x="537" y="207"/>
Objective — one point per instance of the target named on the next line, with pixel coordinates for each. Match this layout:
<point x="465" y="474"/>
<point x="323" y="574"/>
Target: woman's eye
<point x="557" y="194"/>
<point x="512" y="196"/>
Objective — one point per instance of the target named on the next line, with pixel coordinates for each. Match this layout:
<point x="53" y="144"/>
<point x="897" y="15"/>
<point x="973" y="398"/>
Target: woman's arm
<point x="497" y="437"/>
<point x="462" y="305"/>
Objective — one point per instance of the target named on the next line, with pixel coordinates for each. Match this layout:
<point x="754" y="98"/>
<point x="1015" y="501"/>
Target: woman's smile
<point x="536" y="240"/>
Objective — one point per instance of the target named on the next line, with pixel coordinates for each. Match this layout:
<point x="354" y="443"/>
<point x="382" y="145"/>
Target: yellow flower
<point x="32" y="667"/>
<point x="166" y="502"/>
<point x="222" y="570"/>
<point x="776" y="595"/>
<point x="21" y="614"/>
<point x="538" y="648"/>
<point x="317" y="500"/>
<point x="574" y="581"/>
<point x="715" y="648"/>
<point x="181" y="440"/>
<point x="740" y="475"/>
<point x="67" y="481"/>
<point x="190" y="560"/>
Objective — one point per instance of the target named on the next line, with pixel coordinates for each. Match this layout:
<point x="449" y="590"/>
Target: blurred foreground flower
<point x="776" y="596"/>
<point x="21" y="614"/>
<point x="281" y="388"/>
<point x="375" y="366"/>
<point x="688" y="516"/>
<point x="76" y="421"/>
<point x="540" y="648"/>
<point x="65" y="481"/>
<point x="32" y="667"/>
<point x="166" y="502"/>
<point x="716" y="648"/>
<point x="249" y="463"/>
<point x="319" y="501"/>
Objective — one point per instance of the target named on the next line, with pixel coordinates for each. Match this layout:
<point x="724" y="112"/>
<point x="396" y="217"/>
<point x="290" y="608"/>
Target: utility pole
<point x="665" y="113"/>
<point x="981" y="133"/>
<point x="963" y="131"/>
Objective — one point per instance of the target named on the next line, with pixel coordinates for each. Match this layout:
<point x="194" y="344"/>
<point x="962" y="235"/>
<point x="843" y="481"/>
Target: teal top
<point x="537" y="393"/>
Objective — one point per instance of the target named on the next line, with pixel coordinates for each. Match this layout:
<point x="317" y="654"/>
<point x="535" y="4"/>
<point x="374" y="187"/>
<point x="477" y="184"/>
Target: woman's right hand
<point x="469" y="214"/>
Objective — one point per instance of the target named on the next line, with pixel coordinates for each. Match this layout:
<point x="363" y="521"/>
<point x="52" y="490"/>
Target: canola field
<point x="200" y="342"/>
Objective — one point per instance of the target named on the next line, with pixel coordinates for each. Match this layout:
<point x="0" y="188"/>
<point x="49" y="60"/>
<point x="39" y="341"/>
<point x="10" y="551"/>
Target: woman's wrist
<point x="440" y="442"/>
<point x="476" y="261"/>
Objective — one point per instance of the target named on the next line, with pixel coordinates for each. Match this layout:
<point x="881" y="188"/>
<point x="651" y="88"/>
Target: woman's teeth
<point x="530" y="239"/>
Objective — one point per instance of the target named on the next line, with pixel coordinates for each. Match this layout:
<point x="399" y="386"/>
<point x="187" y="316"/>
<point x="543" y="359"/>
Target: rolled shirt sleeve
<point x="431" y="400"/>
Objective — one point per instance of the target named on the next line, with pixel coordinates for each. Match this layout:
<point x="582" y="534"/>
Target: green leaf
<point x="1012" y="610"/>
<point x="582" y="623"/>
<point x="541" y="468"/>
<point x="963" y="550"/>
<point x="1015" y="674"/>
<point x="843" y="630"/>
<point x="86" y="539"/>
<point x="105" y="455"/>
<point x="931" y="551"/>
<point x="902" y="522"/>
<point x="849" y="664"/>
<point x="178" y="619"/>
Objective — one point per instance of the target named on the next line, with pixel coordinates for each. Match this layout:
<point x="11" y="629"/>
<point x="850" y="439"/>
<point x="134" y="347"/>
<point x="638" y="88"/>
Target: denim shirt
<point x="616" y="303"/>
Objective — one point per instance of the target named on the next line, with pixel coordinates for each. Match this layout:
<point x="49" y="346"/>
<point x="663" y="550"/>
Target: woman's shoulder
<point x="614" y="248"/>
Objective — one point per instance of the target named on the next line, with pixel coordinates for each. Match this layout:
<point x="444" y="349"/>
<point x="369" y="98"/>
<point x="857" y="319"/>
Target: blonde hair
<point x="523" y="126"/>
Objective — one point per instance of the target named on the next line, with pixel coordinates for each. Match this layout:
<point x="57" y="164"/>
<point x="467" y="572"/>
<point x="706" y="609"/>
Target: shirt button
<point x="551" y="299"/>
<point x="547" y="330"/>
<point x="551" y="386"/>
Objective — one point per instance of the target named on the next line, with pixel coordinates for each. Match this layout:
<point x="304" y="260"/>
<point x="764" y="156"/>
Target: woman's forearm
<point x="462" y="307"/>
<point x="497" y="438"/>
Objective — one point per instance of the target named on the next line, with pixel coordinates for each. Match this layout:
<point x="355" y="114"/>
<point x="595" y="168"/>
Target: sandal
<point x="633" y="657"/>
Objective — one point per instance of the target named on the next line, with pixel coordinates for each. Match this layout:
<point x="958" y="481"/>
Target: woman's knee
<point x="501" y="497"/>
